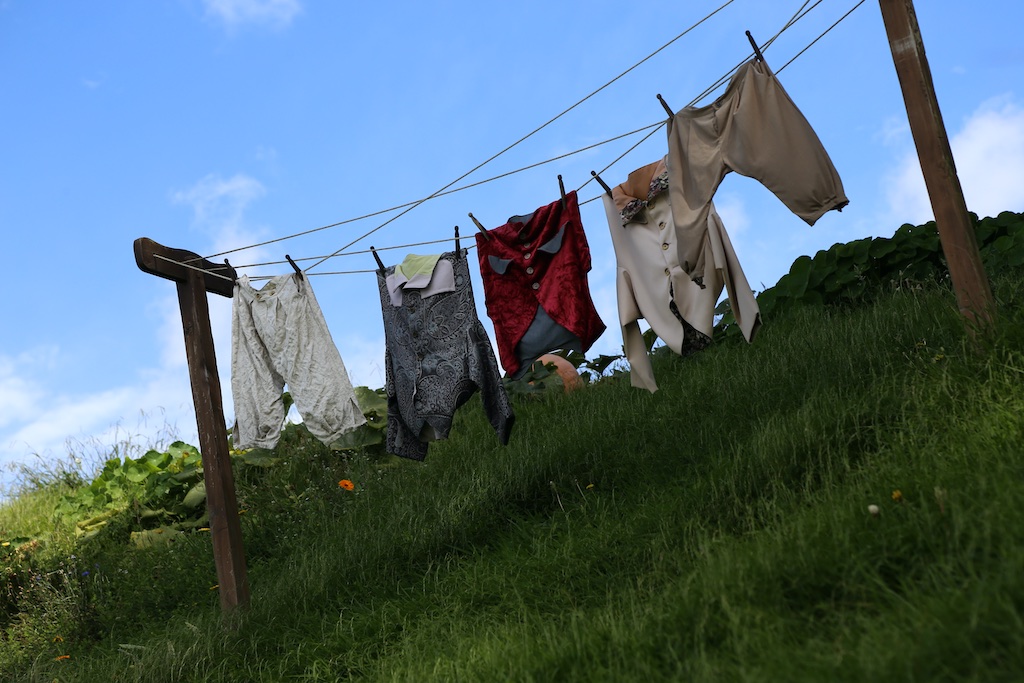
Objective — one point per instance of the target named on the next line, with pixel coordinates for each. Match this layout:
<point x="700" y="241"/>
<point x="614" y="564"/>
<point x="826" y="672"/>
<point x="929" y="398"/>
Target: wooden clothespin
<point x="298" y="271"/>
<point x="664" y="104"/>
<point x="561" y="189"/>
<point x="603" y="184"/>
<point x="458" y="247"/>
<point x="380" y="264"/>
<point x="757" y="50"/>
<point x="479" y="226"/>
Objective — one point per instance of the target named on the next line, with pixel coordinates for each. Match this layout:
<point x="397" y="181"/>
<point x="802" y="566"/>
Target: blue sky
<point x="214" y="124"/>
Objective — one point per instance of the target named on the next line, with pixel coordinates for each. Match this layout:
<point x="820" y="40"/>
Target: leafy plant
<point x="858" y="272"/>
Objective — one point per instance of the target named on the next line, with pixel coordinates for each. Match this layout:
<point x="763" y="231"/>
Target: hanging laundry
<point x="429" y="274"/>
<point x="754" y="129"/>
<point x="534" y="270"/>
<point x="437" y="355"/>
<point x="651" y="284"/>
<point x="279" y="336"/>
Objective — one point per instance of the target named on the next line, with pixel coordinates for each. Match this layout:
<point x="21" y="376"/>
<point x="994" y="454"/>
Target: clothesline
<point x="799" y="14"/>
<point x="528" y="135"/>
<point x="652" y="128"/>
<point x="655" y="125"/>
<point x="409" y="206"/>
<point x="351" y="253"/>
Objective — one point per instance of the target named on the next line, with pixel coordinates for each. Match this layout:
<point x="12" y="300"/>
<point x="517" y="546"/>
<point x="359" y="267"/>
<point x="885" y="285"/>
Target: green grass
<point x="717" y="530"/>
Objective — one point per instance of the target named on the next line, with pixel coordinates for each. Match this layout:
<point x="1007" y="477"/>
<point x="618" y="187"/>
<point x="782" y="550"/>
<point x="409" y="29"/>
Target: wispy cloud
<point x="989" y="155"/>
<point x="39" y="417"/>
<point x="236" y="13"/>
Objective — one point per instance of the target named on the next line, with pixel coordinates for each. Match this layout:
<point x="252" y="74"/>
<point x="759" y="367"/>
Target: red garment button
<point x="529" y="271"/>
<point x="536" y="285"/>
<point x="527" y="256"/>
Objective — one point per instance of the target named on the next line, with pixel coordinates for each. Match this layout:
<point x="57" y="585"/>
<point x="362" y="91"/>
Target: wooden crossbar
<point x="195" y="277"/>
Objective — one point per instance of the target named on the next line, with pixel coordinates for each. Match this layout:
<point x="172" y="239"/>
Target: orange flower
<point x="57" y="659"/>
<point x="346" y="484"/>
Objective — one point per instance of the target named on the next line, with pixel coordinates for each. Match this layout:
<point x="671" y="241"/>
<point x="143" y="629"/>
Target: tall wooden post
<point x="228" y="552"/>
<point x="973" y="293"/>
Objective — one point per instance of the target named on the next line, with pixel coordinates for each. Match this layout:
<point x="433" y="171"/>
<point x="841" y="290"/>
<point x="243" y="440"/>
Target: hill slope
<point x="716" y="530"/>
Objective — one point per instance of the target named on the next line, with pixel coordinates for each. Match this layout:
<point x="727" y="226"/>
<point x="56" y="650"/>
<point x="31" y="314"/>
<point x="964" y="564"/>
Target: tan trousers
<point x="755" y="130"/>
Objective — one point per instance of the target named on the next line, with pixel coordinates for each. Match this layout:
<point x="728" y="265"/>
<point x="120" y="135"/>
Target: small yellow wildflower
<point x="590" y="486"/>
<point x="897" y="496"/>
<point x="346" y="484"/>
<point x="215" y="586"/>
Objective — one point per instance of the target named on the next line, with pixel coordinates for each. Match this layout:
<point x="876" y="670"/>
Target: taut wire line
<point x="350" y="253"/>
<point x="656" y="126"/>
<point x="434" y="196"/>
<point x="822" y="34"/>
<point x="188" y="265"/>
<point x="353" y="272"/>
<point x="528" y="135"/>
<point x="797" y="16"/>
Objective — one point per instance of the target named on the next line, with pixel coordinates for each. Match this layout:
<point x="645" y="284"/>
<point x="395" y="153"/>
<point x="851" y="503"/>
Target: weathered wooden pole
<point x="956" y="233"/>
<point x="193" y="284"/>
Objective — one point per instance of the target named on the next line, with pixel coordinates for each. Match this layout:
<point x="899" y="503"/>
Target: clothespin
<point x="603" y="184"/>
<point x="380" y="263"/>
<point x="561" y="188"/>
<point x="458" y="247"/>
<point x="298" y="271"/>
<point x="668" y="109"/>
<point x="480" y="227"/>
<point x="231" y="271"/>
<point x="757" y="50"/>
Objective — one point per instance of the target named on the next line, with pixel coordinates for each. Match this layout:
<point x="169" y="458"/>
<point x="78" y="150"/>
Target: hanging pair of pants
<point x="755" y="129"/>
<point x="279" y="336"/>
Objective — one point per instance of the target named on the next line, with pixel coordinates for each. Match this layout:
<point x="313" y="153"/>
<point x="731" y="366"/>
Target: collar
<point x="641" y="187"/>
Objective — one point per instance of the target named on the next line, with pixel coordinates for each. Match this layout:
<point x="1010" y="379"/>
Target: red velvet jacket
<point x="538" y="260"/>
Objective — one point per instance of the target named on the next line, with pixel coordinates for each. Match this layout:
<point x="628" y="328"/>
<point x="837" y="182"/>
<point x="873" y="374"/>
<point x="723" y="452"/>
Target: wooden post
<point x="193" y="284"/>
<point x="956" y="233"/>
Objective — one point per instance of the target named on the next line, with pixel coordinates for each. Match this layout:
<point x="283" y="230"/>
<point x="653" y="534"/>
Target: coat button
<point x="661" y="224"/>
<point x="666" y="271"/>
<point x="536" y="285"/>
<point x="529" y="270"/>
<point x="664" y="246"/>
<point x="527" y="256"/>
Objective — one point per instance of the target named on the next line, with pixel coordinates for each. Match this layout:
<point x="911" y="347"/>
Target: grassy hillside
<point x="717" y="530"/>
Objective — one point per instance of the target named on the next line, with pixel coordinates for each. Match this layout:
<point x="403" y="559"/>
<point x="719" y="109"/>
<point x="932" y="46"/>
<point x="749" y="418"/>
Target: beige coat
<point x="649" y="277"/>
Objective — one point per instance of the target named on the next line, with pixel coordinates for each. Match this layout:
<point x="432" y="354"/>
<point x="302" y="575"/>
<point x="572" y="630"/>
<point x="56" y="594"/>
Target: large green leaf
<point x="196" y="496"/>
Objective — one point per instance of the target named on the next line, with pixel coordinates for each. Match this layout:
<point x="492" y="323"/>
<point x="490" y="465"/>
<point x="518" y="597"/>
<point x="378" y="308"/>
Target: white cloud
<point x="37" y="417"/>
<point x="894" y="130"/>
<point x="20" y="398"/>
<point x="989" y="155"/>
<point x="48" y="421"/>
<point x="234" y="13"/>
<point x="219" y="204"/>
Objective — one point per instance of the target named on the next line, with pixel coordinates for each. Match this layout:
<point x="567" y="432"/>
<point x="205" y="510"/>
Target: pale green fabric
<point x="414" y="265"/>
